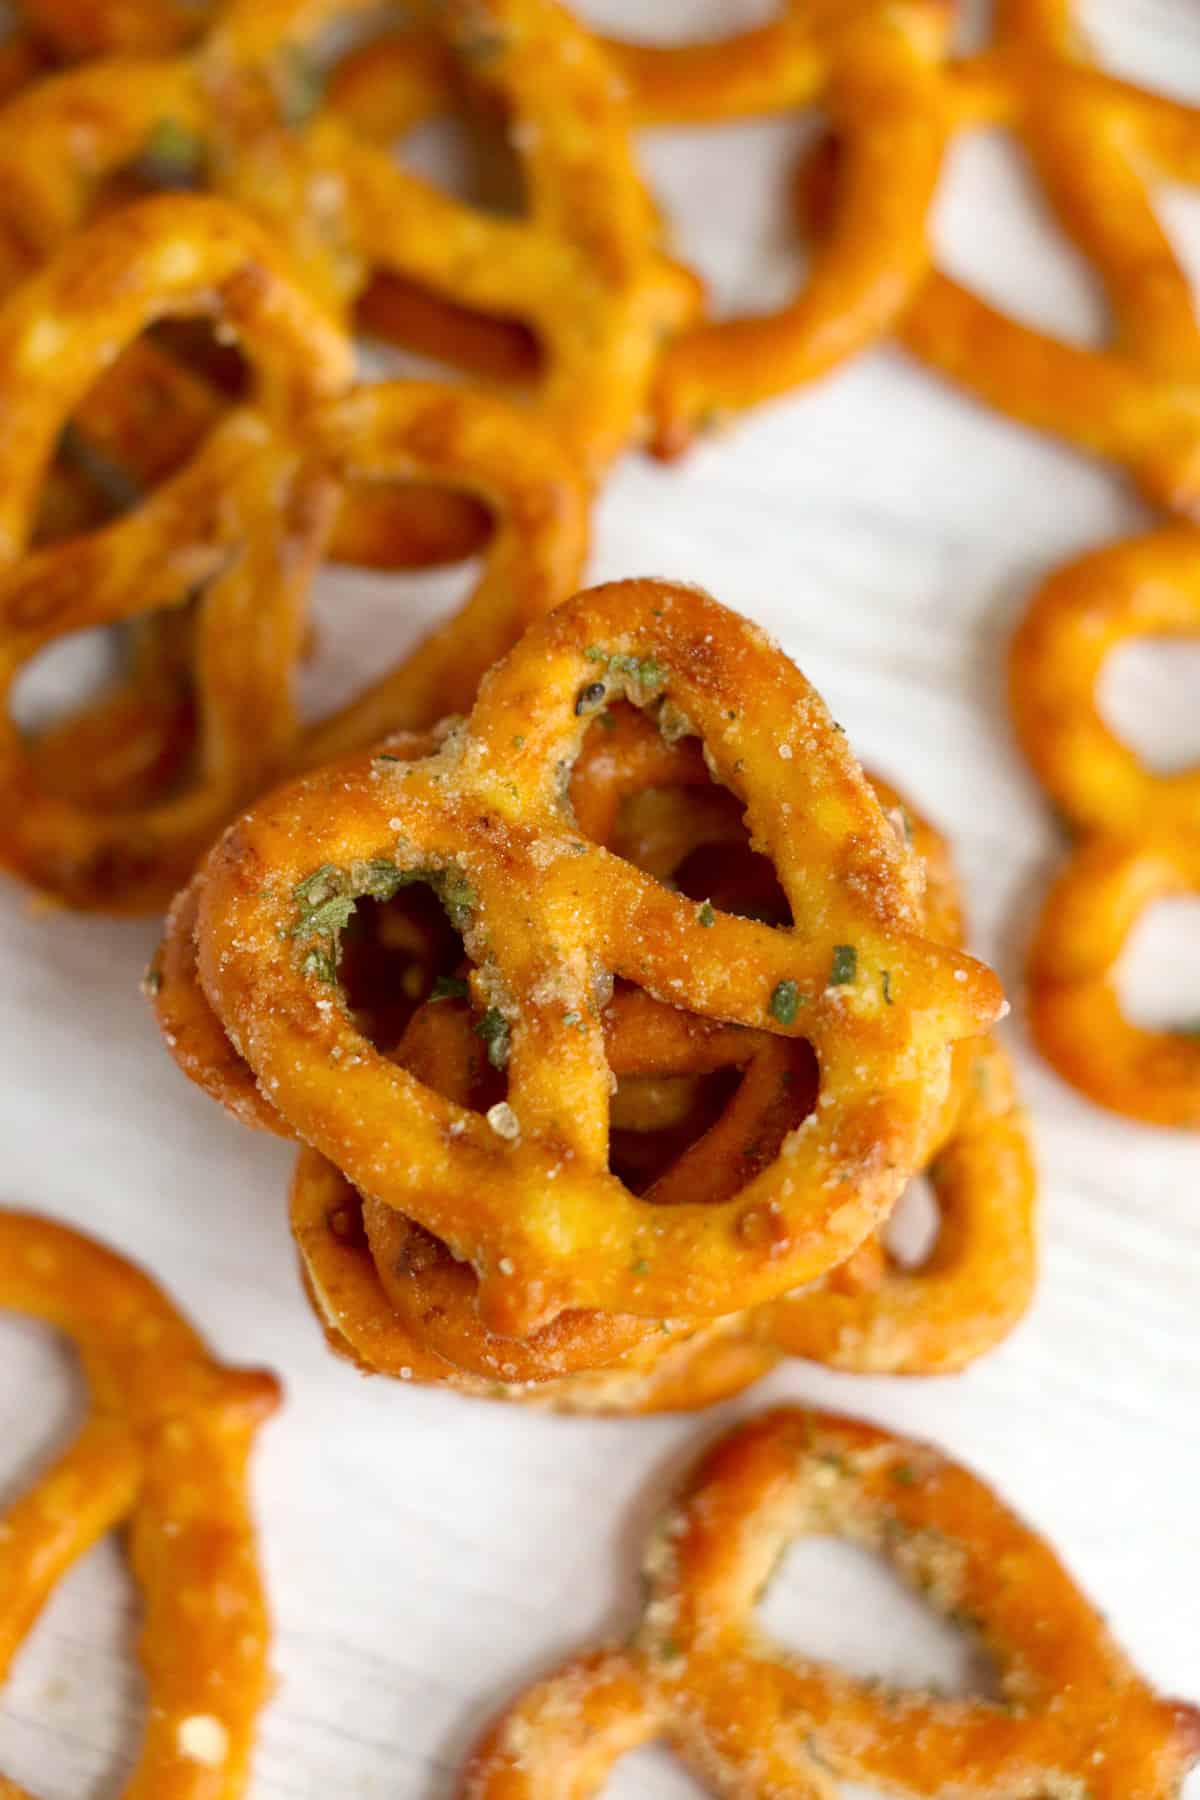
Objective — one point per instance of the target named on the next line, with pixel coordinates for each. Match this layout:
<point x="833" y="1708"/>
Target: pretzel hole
<point x="35" y="1360"/>
<point x="393" y="955"/>
<point x="1158" y="976"/>
<point x="993" y="230"/>
<point x="1147" y="695"/>
<point x="75" y="1662"/>
<point x="744" y="240"/>
<point x="107" y="714"/>
<point x="363" y="620"/>
<point x="841" y="1603"/>
<point x="652" y="1773"/>
<point x="653" y="1120"/>
<point x="910" y="1234"/>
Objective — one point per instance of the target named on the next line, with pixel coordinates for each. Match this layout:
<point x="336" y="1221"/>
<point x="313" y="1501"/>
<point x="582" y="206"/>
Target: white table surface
<point x="427" y="1554"/>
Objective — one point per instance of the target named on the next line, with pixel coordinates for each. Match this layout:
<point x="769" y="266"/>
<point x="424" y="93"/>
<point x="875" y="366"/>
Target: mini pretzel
<point x="244" y="519"/>
<point x="1092" y="140"/>
<point x="1146" y="586"/>
<point x="1074" y="1006"/>
<point x="163" y="1452"/>
<point x="755" y="1720"/>
<point x="485" y="821"/>
<point x="250" y="516"/>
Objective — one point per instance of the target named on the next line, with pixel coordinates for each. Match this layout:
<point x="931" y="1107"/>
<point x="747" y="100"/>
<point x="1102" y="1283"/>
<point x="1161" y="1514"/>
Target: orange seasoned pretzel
<point x="872" y="64"/>
<point x="1143" y="587"/>
<point x="1074" y="1004"/>
<point x="1093" y="141"/>
<point x="163" y="1452"/>
<point x="81" y="28"/>
<point x="247" y="519"/>
<point x="244" y="520"/>
<point x="583" y="270"/>
<point x="548" y="918"/>
<point x="751" y="1719"/>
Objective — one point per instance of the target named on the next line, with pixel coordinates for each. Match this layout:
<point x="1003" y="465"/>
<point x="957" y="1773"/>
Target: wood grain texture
<point x="426" y="1554"/>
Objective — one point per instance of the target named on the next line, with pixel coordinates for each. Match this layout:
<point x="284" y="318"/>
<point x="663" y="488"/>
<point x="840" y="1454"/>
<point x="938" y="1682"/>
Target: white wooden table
<point x="427" y="1554"/>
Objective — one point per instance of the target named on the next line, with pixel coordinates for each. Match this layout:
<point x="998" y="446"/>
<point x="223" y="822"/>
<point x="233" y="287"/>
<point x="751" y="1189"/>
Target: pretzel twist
<point x="247" y="521"/>
<point x="483" y="821"/>
<point x="163" y="1451"/>
<point x="754" y="1720"/>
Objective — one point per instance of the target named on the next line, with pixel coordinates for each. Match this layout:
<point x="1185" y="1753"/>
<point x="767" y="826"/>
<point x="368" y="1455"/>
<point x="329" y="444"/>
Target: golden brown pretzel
<point x="1074" y="1005"/>
<point x="163" y="1451"/>
<point x="1073" y="1716"/>
<point x="247" y="520"/>
<point x="243" y="520"/>
<point x="872" y="66"/>
<point x="1093" y="141"/>
<point x="484" y="822"/>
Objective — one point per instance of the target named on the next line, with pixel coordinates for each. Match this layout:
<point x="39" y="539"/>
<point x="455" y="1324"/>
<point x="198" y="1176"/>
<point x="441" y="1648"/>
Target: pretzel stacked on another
<point x="779" y="1075"/>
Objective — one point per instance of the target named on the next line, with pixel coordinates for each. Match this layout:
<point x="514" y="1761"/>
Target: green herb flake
<point x="885" y="982"/>
<point x="493" y="1029"/>
<point x="318" y="886"/>
<point x="376" y="879"/>
<point x="449" y="987"/>
<point x="572" y="1018"/>
<point x="784" y="1001"/>
<point x="518" y="742"/>
<point x="904" y="1475"/>
<point x="172" y="156"/>
<point x="706" y="916"/>
<point x="152" y="980"/>
<point x="300" y="85"/>
<point x="640" y="1267"/>
<point x="321" y="965"/>
<point x="325" y="919"/>
<point x="845" y="965"/>
<point x="386" y="756"/>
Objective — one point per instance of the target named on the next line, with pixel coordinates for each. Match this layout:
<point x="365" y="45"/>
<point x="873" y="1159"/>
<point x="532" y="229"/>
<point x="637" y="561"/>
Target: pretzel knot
<point x="244" y="524"/>
<point x="163" y="1453"/>
<point x="549" y="919"/>
<point x="1073" y="1717"/>
<point x="1094" y="141"/>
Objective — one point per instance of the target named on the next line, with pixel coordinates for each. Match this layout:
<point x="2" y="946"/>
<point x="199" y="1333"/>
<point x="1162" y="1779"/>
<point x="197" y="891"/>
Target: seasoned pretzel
<point x="163" y="1451"/>
<point x="873" y="66"/>
<point x="81" y="28"/>
<point x="1146" y="586"/>
<point x="485" y="822"/>
<point x="1093" y="140"/>
<point x="1074" y="1006"/>
<point x="248" y="518"/>
<point x="753" y="1720"/>
<point x="244" y="520"/>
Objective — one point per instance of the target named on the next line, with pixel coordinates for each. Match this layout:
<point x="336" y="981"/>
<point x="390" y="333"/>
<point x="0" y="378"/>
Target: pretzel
<point x="163" y="1452"/>
<point x="484" y="822"/>
<point x="261" y="482"/>
<point x="1093" y="140"/>
<point x="754" y="1720"/>
<point x="1147" y="586"/>
<point x="82" y="28"/>
<point x="872" y="66"/>
<point x="1074" y="1006"/>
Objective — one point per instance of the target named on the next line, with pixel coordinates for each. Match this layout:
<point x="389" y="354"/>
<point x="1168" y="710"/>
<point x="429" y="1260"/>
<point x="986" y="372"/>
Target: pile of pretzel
<point x="612" y="1007"/>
